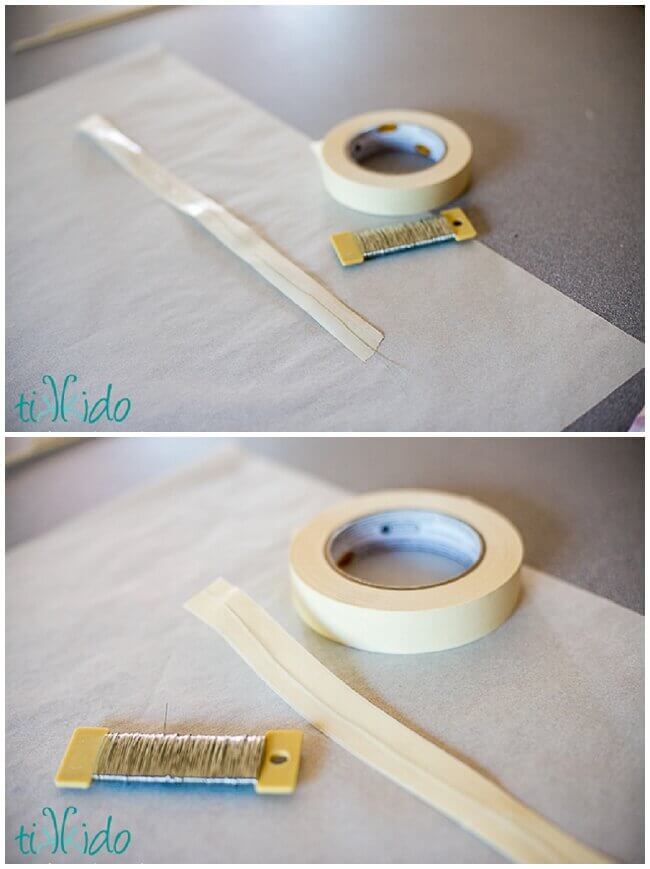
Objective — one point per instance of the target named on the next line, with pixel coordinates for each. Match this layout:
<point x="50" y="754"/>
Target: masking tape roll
<point x="344" y="148"/>
<point x="400" y="618"/>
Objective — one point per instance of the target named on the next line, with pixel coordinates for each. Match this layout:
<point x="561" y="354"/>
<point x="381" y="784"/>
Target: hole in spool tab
<point x="279" y="757"/>
<point x="458" y="222"/>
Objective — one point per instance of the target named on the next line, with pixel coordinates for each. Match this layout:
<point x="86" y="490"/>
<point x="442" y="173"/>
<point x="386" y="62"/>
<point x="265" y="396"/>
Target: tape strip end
<point x="87" y="124"/>
<point x="215" y="593"/>
<point x="317" y="148"/>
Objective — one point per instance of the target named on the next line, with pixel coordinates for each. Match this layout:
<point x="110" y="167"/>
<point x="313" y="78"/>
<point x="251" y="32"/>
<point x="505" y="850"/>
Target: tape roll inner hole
<point x="405" y="549"/>
<point x="397" y="148"/>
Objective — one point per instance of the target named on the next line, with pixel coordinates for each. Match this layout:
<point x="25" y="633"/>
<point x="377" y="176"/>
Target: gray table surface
<point x="552" y="98"/>
<point x="578" y="502"/>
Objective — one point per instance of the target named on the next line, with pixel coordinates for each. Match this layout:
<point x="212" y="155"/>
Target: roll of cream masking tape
<point x="345" y="148"/>
<point x="401" y="614"/>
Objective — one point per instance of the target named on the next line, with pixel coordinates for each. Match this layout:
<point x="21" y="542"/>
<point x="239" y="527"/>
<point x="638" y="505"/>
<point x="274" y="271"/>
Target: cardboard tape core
<point x="454" y="543"/>
<point x="406" y="138"/>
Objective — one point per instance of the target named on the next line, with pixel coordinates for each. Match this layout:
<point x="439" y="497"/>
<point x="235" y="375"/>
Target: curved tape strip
<point x="349" y="182"/>
<point x="407" y="620"/>
<point x="331" y="313"/>
<point x="421" y="767"/>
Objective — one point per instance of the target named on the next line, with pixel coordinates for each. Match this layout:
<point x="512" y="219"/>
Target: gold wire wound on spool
<point x="353" y="248"/>
<point x="179" y="757"/>
<point x="270" y="762"/>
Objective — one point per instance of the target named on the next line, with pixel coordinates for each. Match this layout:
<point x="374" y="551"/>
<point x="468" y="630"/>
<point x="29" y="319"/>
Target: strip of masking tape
<point x="391" y="748"/>
<point x="75" y="27"/>
<point x="331" y="313"/>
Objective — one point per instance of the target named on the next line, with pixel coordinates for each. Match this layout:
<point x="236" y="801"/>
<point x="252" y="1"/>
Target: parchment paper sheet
<point x="107" y="282"/>
<point x="550" y="705"/>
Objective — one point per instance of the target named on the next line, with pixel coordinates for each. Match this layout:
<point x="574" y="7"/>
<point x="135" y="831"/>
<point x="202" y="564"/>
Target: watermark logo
<point x="59" y="834"/>
<point x="62" y="400"/>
